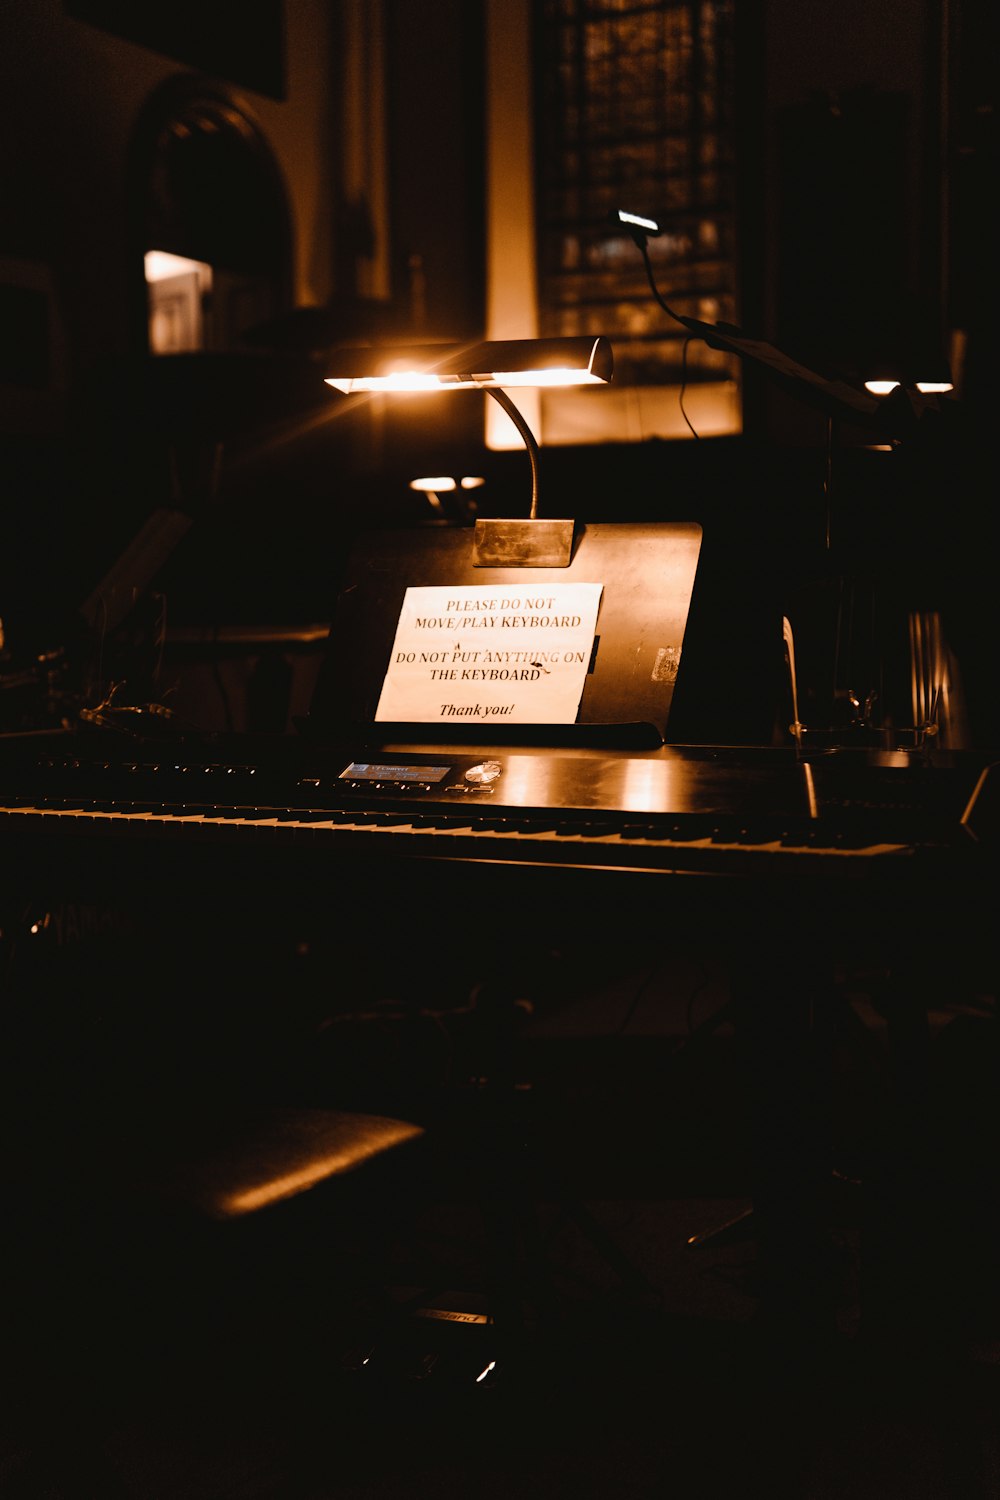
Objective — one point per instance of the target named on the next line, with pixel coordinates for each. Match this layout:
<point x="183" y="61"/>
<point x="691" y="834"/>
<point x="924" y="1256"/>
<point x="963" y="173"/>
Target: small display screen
<point x="362" y="770"/>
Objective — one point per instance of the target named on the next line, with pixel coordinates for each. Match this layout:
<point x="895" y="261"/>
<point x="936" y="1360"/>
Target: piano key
<point x="691" y="838"/>
<point x="707" y="812"/>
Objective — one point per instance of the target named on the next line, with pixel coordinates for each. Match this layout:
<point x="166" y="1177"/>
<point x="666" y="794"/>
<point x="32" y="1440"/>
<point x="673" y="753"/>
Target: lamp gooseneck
<point x="527" y="437"/>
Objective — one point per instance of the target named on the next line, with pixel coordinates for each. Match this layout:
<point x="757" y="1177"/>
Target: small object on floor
<point x="448" y="1341"/>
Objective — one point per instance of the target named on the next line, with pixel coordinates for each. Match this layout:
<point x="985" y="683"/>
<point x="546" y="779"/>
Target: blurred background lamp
<point x="460" y="504"/>
<point x="444" y="484"/>
<point x="881" y="381"/>
<point x="910" y="356"/>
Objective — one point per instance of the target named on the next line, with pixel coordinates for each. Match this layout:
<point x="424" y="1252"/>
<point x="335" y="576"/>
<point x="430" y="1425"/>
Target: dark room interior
<point x="570" y="417"/>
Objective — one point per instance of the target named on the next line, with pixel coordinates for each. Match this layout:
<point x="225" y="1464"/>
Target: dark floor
<point x="299" y="1358"/>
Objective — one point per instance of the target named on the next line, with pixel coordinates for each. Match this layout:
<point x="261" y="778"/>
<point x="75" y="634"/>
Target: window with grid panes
<point x="634" y="109"/>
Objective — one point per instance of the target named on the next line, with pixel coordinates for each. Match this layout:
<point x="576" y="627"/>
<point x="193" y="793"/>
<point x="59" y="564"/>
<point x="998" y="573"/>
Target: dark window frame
<point x="671" y="157"/>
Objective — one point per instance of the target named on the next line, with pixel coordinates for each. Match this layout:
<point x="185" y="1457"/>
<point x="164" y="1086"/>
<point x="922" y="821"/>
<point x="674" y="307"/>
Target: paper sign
<point x="505" y="654"/>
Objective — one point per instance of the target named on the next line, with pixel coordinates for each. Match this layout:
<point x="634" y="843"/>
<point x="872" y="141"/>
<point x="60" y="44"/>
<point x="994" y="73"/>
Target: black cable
<point x="217" y="678"/>
<point x="642" y="243"/>
<point x="693" y="996"/>
<point x="633" y="1004"/>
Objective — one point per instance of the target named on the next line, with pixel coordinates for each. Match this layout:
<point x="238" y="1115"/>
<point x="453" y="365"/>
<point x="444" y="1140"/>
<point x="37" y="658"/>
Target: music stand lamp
<point x="490" y="367"/>
<point x="510" y="542"/>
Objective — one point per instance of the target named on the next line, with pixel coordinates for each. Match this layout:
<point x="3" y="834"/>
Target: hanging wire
<point x="642" y="243"/>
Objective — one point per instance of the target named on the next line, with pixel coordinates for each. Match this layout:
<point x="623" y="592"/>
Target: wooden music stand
<point x="647" y="571"/>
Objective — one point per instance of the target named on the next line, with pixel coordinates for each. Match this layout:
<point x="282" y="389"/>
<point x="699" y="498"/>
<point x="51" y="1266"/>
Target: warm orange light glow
<point x="880" y="387"/>
<point x="443" y="484"/>
<point x="436" y="484"/>
<point x="419" y="380"/>
<point x="564" y="376"/>
<point x="379" y="1135"/>
<point x="397" y="380"/>
<point x="286" y="1187"/>
<point x="925" y="387"/>
<point x="160" y="265"/>
<point x="177" y="289"/>
<point x="521" y="362"/>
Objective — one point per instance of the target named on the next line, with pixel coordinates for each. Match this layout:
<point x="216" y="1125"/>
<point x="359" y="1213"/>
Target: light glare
<point x="638" y="222"/>
<point x="436" y="484"/>
<point x="160" y="265"/>
<point x="539" y="377"/>
<point x="398" y="380"/>
<point x="925" y="387"/>
<point x="521" y="363"/>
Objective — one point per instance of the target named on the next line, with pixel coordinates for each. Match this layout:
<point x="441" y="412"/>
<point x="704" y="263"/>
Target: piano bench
<point x="275" y="1155"/>
<point x="223" y="1253"/>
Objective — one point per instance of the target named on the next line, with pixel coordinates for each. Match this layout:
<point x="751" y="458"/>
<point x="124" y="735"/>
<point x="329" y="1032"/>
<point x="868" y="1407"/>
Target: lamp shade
<point x="432" y="367"/>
